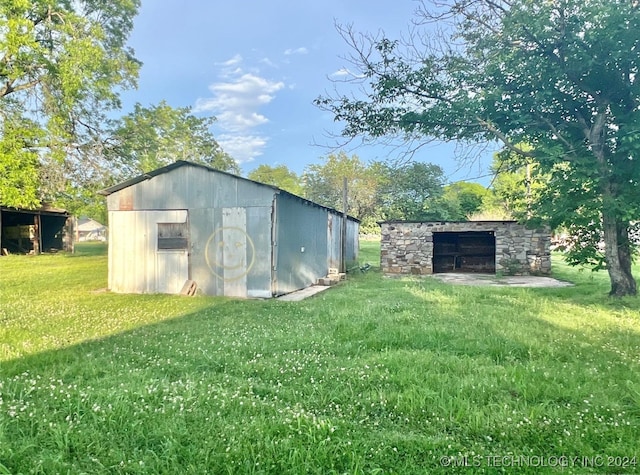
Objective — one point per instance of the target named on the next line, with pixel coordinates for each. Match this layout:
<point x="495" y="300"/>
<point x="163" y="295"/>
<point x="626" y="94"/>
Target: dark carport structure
<point x="25" y="231"/>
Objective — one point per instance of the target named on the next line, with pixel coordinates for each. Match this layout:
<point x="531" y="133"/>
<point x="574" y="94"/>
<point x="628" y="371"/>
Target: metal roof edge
<point x="181" y="163"/>
<point x="45" y="211"/>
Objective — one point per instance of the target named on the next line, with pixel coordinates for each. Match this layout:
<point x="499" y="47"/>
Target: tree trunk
<point x="618" y="255"/>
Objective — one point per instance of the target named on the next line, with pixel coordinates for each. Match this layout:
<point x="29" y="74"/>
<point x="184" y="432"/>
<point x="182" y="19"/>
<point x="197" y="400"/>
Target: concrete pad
<point x="303" y="293"/>
<point x="505" y="281"/>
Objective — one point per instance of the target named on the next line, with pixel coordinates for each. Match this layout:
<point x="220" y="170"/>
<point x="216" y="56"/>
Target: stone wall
<point x="407" y="247"/>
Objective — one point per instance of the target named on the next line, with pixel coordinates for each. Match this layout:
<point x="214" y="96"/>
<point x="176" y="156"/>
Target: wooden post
<point x="343" y="260"/>
<point x="37" y="238"/>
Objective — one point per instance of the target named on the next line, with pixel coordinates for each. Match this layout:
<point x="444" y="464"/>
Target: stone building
<point x="505" y="247"/>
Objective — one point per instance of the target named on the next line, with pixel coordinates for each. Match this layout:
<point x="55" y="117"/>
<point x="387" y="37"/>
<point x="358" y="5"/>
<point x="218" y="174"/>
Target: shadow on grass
<point x="331" y="383"/>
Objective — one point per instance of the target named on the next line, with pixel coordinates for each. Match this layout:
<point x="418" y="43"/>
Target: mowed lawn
<point x="374" y="376"/>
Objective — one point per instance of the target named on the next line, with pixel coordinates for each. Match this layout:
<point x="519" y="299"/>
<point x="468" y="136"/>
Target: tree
<point x="561" y="76"/>
<point x="152" y="137"/>
<point x="279" y="176"/>
<point x="324" y="184"/>
<point x="464" y="198"/>
<point x="516" y="186"/>
<point x="141" y="141"/>
<point x="61" y="66"/>
<point x="412" y="192"/>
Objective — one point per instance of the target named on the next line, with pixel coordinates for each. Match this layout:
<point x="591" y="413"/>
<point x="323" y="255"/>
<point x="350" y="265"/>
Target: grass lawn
<point x="375" y="375"/>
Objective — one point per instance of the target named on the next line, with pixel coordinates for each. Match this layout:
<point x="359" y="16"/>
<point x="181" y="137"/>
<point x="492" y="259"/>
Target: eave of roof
<point x="181" y="163"/>
<point x="41" y="211"/>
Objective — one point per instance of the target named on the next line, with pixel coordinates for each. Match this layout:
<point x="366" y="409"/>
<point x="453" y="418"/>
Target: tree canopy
<point x="411" y="192"/>
<point x="560" y="76"/>
<point x="323" y="183"/>
<point x="155" y="136"/>
<point x="62" y="64"/>
<point x="279" y="176"/>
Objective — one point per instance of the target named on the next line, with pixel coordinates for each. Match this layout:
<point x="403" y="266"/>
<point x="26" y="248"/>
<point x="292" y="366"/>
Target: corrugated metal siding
<point x="301" y="244"/>
<point x="353" y="242"/>
<point x="190" y="188"/>
<point x="223" y="210"/>
<point x="135" y="264"/>
<point x="334" y="242"/>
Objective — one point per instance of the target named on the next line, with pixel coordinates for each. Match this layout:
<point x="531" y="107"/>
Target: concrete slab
<point x="508" y="281"/>
<point x="303" y="293"/>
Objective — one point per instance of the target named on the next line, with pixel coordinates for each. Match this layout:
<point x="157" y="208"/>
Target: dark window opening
<point x="464" y="252"/>
<point x="173" y="236"/>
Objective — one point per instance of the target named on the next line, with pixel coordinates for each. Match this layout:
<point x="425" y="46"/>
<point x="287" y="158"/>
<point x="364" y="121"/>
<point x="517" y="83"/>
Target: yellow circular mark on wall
<point x="233" y="254"/>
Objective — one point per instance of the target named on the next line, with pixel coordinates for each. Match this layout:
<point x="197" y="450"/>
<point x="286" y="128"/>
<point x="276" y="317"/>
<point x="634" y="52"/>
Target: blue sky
<point x="257" y="66"/>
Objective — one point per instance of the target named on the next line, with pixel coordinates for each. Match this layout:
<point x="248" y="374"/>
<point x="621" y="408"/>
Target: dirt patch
<point x="506" y="281"/>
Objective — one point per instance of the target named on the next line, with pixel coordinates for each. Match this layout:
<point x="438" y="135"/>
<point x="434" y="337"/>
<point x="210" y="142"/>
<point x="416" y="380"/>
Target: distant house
<point x="470" y="246"/>
<point x="32" y="231"/>
<point x="186" y="223"/>
<point x="88" y="229"/>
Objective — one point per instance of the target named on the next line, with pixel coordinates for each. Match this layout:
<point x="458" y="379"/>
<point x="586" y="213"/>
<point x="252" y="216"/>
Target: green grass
<point x="375" y="375"/>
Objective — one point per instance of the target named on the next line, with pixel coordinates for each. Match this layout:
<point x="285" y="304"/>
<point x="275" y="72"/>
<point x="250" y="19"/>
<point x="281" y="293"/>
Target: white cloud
<point x="291" y="51"/>
<point x="236" y="101"/>
<point x="344" y="72"/>
<point x="244" y="148"/>
<point x="236" y="60"/>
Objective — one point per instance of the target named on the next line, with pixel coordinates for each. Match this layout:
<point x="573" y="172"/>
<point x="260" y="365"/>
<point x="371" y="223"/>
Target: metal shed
<point x="230" y="235"/>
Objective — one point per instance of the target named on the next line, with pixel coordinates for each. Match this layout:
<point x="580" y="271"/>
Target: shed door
<point x="172" y="254"/>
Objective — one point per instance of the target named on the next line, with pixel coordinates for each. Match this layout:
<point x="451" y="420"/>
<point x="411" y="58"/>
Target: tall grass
<point x="375" y="375"/>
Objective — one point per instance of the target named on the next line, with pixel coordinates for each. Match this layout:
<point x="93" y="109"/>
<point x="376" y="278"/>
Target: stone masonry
<point x="407" y="247"/>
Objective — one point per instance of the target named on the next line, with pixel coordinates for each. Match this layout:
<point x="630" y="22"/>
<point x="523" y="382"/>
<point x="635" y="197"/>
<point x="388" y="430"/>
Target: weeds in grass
<point x="375" y="375"/>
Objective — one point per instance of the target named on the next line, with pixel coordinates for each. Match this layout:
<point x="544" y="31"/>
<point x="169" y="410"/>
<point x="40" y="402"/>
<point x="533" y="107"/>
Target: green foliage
<point x="374" y="375"/>
<point x="558" y="76"/>
<point x="323" y="183"/>
<point x="150" y="138"/>
<point x="411" y="192"/>
<point x="19" y="141"/>
<point x="279" y="176"/>
<point x="518" y="184"/>
<point x="462" y="199"/>
<point x="61" y="66"/>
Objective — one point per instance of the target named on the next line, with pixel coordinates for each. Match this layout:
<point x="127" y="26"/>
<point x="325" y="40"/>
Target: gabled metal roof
<point x="182" y="163"/>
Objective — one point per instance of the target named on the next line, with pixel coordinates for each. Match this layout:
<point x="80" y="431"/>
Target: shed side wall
<point x="302" y="245"/>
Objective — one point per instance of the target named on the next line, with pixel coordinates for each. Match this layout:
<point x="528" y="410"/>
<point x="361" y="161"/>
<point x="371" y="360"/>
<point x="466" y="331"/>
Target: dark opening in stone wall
<point x="469" y="251"/>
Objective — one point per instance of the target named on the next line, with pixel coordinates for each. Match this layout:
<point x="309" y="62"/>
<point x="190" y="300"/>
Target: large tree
<point x="411" y="192"/>
<point x="143" y="140"/>
<point x="62" y="64"/>
<point x="279" y="176"/>
<point x="152" y="137"/>
<point x="323" y="183"/>
<point x="465" y="198"/>
<point x="559" y="75"/>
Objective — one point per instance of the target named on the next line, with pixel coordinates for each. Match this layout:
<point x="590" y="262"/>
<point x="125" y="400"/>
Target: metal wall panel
<point x="189" y="187"/>
<point x="334" y="246"/>
<point x="353" y="242"/>
<point x="135" y="265"/>
<point x="223" y="211"/>
<point x="301" y="244"/>
<point x="231" y="248"/>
